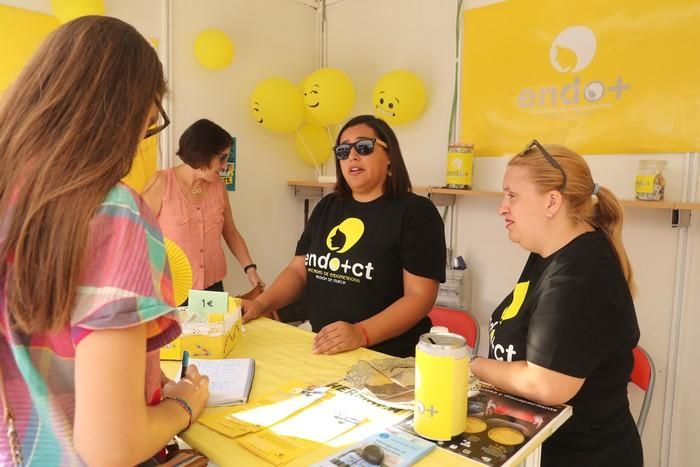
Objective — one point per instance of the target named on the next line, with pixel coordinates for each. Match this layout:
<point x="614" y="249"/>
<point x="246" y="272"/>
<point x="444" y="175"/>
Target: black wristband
<point x="251" y="265"/>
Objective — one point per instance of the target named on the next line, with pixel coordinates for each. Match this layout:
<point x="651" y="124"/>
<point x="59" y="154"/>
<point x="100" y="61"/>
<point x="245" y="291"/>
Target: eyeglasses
<point x="157" y="129"/>
<point x="536" y="144"/>
<point x="223" y="157"/>
<point x="363" y="147"/>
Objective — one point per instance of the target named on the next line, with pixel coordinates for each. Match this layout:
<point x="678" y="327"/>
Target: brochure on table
<point x="388" y="448"/>
<point x="502" y="429"/>
<point x="299" y="418"/>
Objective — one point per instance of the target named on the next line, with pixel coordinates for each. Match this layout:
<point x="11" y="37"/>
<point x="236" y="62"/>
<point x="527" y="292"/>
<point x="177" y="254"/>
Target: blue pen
<point x="185" y="362"/>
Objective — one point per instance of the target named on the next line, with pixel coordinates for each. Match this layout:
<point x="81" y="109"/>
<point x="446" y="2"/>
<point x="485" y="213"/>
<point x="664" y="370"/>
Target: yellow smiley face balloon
<point x="328" y="96"/>
<point x="276" y="104"/>
<point x="399" y="97"/>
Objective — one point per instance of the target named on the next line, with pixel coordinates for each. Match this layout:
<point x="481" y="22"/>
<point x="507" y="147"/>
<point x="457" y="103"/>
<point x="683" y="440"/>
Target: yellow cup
<point x="441" y="386"/>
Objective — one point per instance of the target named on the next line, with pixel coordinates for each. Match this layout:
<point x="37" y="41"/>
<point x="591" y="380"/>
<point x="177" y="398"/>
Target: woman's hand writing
<point x="338" y="337"/>
<point x="193" y="388"/>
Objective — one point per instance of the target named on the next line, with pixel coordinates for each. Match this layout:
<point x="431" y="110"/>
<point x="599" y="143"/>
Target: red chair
<point x="457" y="321"/>
<point x="643" y="376"/>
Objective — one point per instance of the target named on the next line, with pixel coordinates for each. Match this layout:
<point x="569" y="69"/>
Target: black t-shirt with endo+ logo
<point x="572" y="312"/>
<point x="355" y="254"/>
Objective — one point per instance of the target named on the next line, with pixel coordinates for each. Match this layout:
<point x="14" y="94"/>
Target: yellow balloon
<point x="213" y="49"/>
<point x="328" y="95"/>
<point x="276" y="104"/>
<point x="67" y="10"/>
<point x="399" y="97"/>
<point x="309" y="119"/>
<point x="313" y="144"/>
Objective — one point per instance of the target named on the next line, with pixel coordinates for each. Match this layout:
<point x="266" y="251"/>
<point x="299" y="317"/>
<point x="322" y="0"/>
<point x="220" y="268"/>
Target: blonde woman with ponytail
<point x="85" y="291"/>
<point x="565" y="333"/>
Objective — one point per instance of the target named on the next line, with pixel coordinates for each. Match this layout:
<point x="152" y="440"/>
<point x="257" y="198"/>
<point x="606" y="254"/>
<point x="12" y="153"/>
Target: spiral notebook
<point x="230" y="379"/>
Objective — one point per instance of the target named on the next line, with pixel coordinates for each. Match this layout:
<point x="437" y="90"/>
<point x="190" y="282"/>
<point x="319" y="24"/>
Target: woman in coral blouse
<point x="193" y="210"/>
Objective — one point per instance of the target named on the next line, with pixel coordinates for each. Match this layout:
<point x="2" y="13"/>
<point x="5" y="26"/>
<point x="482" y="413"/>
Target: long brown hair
<point x="606" y="214"/>
<point x="69" y="129"/>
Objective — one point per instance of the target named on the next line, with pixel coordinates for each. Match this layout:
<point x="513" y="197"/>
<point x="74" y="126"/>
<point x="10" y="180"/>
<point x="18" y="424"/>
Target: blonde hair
<point x="605" y="215"/>
<point x="69" y="129"/>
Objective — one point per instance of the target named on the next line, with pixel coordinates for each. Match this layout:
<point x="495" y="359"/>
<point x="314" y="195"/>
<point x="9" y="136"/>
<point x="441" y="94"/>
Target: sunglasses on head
<point x="534" y="144"/>
<point x="363" y="146"/>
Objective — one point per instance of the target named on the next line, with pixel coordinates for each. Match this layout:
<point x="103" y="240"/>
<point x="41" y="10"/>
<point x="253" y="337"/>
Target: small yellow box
<point x="214" y="338"/>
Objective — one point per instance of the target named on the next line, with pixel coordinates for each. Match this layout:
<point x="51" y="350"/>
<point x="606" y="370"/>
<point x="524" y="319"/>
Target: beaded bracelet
<point x="364" y="333"/>
<point x="182" y="403"/>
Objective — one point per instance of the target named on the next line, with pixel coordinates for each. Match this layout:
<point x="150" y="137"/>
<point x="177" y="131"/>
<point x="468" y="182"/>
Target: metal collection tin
<point x="460" y="164"/>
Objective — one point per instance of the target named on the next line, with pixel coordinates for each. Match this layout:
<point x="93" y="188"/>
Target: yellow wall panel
<point x="21" y="33"/>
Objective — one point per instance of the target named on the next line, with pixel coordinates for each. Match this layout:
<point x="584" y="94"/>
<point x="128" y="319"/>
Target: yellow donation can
<point x="441" y="386"/>
<point x="460" y="165"/>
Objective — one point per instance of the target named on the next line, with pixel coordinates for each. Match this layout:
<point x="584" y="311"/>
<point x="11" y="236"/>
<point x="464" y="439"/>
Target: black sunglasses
<point x="364" y="147"/>
<point x="157" y="129"/>
<point x="536" y="145"/>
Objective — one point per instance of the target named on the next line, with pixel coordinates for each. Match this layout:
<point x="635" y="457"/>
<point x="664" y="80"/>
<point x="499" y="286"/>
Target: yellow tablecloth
<point x="282" y="354"/>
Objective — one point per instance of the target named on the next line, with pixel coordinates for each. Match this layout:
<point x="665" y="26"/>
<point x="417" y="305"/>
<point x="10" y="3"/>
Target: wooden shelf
<point x="635" y="203"/>
<point x="631" y="203"/>
<point x="688" y="206"/>
<point x="309" y="184"/>
<point x="457" y="192"/>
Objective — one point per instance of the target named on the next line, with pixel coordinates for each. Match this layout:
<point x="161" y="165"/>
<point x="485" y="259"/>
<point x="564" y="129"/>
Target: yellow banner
<point x="21" y="32"/>
<point x="597" y="76"/>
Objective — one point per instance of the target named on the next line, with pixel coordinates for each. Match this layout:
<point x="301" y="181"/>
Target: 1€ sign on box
<point x="211" y="326"/>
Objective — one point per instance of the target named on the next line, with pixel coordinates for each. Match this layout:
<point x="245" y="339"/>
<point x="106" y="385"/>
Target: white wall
<point x="367" y="39"/>
<point x="272" y="38"/>
<point x="686" y="415"/>
<point x="144" y="16"/>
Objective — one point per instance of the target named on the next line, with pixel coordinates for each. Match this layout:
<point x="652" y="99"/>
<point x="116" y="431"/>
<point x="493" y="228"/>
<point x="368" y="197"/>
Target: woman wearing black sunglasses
<point x="566" y="332"/>
<point x="372" y="254"/>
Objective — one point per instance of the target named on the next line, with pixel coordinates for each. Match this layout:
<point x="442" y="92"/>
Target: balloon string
<point x="308" y="151"/>
<point x="330" y="138"/>
<point x="328" y="132"/>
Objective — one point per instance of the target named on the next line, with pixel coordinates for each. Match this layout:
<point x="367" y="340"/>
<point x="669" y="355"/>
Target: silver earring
<point x="549" y="215"/>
